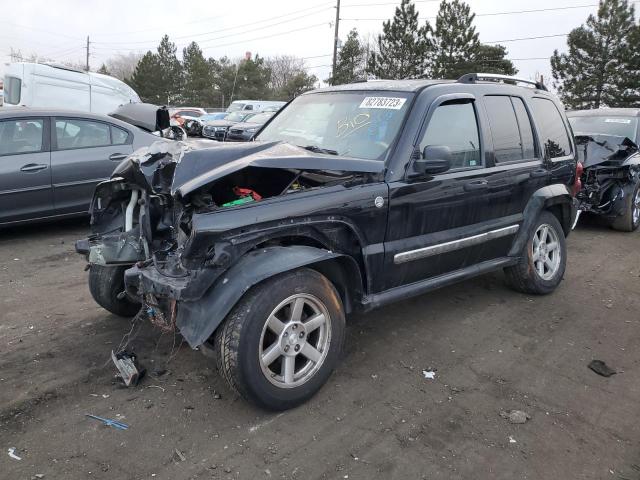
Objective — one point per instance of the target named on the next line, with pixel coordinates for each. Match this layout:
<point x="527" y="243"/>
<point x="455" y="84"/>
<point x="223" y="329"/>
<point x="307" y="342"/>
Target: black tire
<point x="105" y="283"/>
<point x="524" y="276"/>
<point x="626" y="222"/>
<point x="238" y="341"/>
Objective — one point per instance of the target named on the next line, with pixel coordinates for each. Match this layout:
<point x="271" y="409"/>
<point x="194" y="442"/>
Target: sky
<point x="59" y="29"/>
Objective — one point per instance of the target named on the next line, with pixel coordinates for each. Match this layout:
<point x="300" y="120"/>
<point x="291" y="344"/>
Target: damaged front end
<point x="611" y="169"/>
<point x="172" y="214"/>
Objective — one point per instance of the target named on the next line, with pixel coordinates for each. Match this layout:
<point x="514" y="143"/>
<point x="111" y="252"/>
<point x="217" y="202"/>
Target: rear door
<point x="84" y="152"/>
<point x="25" y="169"/>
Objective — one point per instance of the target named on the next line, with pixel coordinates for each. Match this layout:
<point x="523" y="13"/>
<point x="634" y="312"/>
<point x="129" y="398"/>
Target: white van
<point x="39" y="85"/>
<point x="255" y="105"/>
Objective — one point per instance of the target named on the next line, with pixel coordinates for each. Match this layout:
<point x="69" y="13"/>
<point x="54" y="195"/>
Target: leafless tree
<point x="122" y="65"/>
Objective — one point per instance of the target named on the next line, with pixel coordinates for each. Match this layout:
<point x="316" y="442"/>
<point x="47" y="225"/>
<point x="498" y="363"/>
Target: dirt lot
<point x="378" y="417"/>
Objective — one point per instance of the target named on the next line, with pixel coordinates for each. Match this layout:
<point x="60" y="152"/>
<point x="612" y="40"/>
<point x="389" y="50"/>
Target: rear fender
<point x="197" y="320"/>
<point x="556" y="198"/>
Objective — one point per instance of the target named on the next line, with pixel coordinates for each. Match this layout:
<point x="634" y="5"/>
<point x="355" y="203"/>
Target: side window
<point x="118" y="136"/>
<point x="454" y="125"/>
<point x="526" y="132"/>
<point x="504" y="128"/>
<point x="21" y="136"/>
<point x="73" y="133"/>
<point x="248" y="107"/>
<point x="12" y="90"/>
<point x="553" y="133"/>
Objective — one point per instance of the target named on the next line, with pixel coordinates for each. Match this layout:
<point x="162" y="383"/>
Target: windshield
<point x="605" y="125"/>
<point x="235" y="106"/>
<point x="238" y="116"/>
<point x="259" y="117"/>
<point x="352" y="124"/>
<point x="213" y="116"/>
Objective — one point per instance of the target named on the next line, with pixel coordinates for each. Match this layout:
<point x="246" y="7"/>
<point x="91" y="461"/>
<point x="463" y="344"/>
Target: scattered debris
<point x="155" y="386"/>
<point x="109" y="422"/>
<point x="216" y="395"/>
<point x="38" y="475"/>
<point x="127" y="365"/>
<point x="179" y="455"/>
<point x="601" y="368"/>
<point x="12" y="454"/>
<point x="511" y="439"/>
<point x="515" y="416"/>
<point x="429" y="374"/>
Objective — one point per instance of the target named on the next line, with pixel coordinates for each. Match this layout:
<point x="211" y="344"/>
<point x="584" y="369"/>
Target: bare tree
<point x="122" y="65"/>
<point x="284" y="69"/>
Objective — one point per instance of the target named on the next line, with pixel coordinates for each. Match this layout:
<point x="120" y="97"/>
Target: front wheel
<point x="544" y="259"/>
<point x="630" y="218"/>
<point x="106" y="284"/>
<point x="279" y="345"/>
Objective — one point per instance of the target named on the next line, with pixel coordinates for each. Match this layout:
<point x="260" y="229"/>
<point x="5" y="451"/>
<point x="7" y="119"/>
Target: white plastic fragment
<point x="511" y="439"/>
<point x="12" y="454"/>
<point x="429" y="374"/>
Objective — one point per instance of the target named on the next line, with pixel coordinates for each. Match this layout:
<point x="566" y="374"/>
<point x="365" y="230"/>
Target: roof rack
<point x="496" y="77"/>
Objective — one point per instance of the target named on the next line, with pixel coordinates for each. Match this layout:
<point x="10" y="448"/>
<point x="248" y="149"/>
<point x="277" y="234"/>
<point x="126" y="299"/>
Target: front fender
<point x="197" y="320"/>
<point x="556" y="196"/>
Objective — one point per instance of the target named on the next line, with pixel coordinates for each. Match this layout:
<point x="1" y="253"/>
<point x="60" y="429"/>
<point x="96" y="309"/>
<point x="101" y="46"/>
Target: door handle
<point x="541" y="172"/>
<point x="117" y="156"/>
<point x="33" y="167"/>
<point x="476" y="185"/>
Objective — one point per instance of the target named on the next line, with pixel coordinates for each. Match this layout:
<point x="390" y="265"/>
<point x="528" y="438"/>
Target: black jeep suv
<point x="351" y="197"/>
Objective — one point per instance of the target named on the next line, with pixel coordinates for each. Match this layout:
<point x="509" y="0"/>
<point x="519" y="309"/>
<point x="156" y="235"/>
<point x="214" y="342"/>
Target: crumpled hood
<point x="177" y="168"/>
<point x="599" y="148"/>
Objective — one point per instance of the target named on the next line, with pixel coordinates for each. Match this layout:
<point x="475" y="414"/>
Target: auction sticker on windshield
<point x="392" y="103"/>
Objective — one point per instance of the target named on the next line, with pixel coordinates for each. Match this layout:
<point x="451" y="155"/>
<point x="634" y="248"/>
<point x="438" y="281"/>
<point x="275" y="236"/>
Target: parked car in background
<point x="352" y="197"/>
<point x="37" y="85"/>
<point x="254" y="105"/>
<point x="608" y="140"/>
<point x="51" y="160"/>
<point x="244" y="131"/>
<point x="217" y="129"/>
<point x="179" y="115"/>
<point x="193" y="126"/>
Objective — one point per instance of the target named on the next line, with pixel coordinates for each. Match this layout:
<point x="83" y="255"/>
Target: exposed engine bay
<point x="611" y="170"/>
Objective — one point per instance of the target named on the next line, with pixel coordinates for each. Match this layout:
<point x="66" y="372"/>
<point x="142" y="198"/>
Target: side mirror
<point x="435" y="159"/>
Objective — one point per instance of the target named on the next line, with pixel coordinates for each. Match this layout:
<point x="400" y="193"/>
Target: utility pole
<point x="335" y="40"/>
<point x="87" y="67"/>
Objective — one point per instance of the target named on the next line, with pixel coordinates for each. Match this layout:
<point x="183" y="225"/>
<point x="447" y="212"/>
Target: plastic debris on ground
<point x="601" y="368"/>
<point x="12" y="454"/>
<point x="429" y="374"/>
<point x="515" y="416"/>
<point x="109" y="422"/>
<point x="511" y="439"/>
<point x="127" y="365"/>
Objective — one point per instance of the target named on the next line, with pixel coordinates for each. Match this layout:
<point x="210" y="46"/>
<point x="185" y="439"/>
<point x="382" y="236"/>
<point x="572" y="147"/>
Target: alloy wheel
<point x="546" y="252"/>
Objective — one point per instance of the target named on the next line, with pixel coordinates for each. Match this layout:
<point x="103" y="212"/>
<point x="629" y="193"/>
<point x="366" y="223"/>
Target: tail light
<point x="577" y="183"/>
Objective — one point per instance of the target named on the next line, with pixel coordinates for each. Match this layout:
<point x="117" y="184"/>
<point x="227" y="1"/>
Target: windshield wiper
<point x="316" y="149"/>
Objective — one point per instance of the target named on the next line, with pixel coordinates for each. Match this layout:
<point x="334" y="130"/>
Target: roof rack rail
<point x="476" y="77"/>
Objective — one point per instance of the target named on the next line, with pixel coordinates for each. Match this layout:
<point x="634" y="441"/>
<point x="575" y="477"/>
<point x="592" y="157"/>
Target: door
<point x="438" y="224"/>
<point x="84" y="153"/>
<point x="25" y="169"/>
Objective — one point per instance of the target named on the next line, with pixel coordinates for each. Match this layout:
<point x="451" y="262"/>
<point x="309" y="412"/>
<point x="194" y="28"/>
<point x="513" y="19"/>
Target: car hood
<point x="246" y="125"/>
<point x="598" y="148"/>
<point x="143" y="115"/>
<point x="179" y="169"/>
<point x="218" y="123"/>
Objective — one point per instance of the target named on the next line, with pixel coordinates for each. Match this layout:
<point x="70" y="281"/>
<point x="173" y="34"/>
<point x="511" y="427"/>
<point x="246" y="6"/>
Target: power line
<point x="528" y="38"/>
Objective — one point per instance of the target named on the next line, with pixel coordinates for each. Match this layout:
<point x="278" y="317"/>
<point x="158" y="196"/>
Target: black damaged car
<point x="608" y="140"/>
<point x="352" y="197"/>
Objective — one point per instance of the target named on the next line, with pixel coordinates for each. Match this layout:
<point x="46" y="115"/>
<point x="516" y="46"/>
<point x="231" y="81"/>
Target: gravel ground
<point x="492" y="350"/>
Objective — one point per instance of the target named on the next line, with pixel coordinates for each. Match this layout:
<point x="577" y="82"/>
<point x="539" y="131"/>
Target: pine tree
<point x="350" y="65"/>
<point x="104" y="70"/>
<point x="403" y="49"/>
<point x="171" y="78"/>
<point x="491" y="59"/>
<point x="299" y="83"/>
<point x="199" y="79"/>
<point x="146" y="79"/>
<point x="602" y="66"/>
<point x="455" y="40"/>
<point x="253" y="79"/>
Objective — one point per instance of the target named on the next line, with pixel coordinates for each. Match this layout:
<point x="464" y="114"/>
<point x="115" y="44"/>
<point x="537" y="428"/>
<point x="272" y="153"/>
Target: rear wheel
<point x="543" y="261"/>
<point x="105" y="284"/>
<point x="630" y="219"/>
<point x="279" y="345"/>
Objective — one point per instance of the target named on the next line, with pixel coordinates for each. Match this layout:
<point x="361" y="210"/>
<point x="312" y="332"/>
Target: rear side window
<point x="553" y="133"/>
<point x="21" y="136"/>
<point x="72" y="133"/>
<point x="454" y="125"/>
<point x="510" y="128"/>
<point x="12" y="90"/>
<point x="118" y="136"/>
